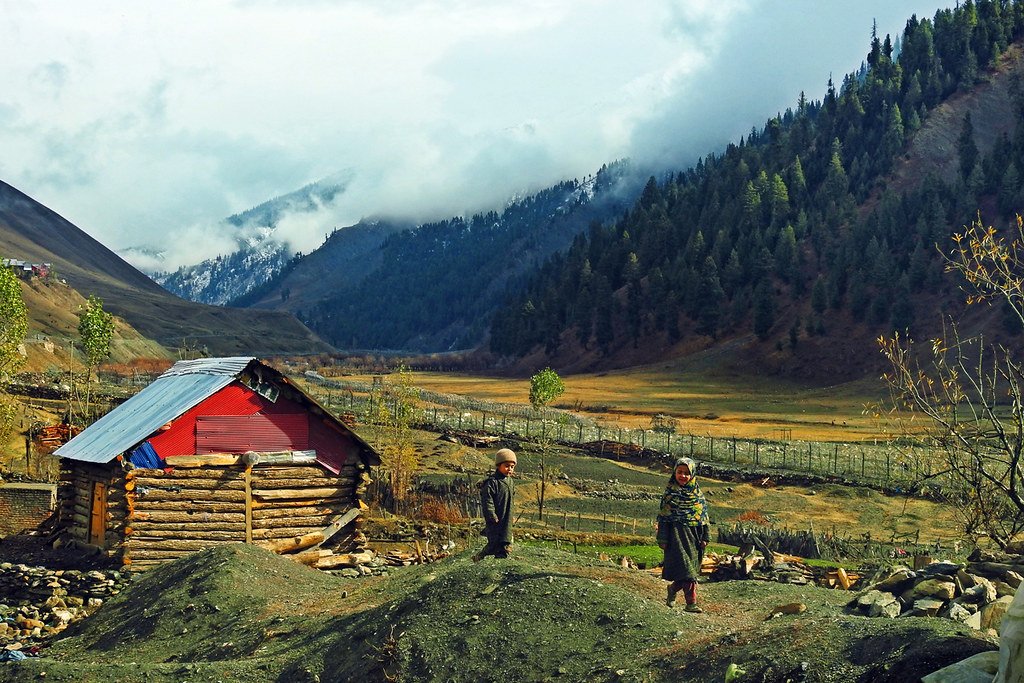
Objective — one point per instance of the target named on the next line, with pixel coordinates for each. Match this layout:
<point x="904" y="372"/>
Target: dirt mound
<point x="240" y="613"/>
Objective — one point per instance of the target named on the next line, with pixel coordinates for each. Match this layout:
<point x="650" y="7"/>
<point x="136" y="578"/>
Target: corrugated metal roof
<point x="173" y="393"/>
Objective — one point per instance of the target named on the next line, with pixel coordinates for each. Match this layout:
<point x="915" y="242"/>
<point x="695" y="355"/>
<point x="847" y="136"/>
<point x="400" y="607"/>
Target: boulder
<point x="992" y="613"/>
<point x="1013" y="578"/>
<point x="932" y="588"/>
<point x="924" y="607"/>
<point x="898" y="580"/>
<point x="978" y="668"/>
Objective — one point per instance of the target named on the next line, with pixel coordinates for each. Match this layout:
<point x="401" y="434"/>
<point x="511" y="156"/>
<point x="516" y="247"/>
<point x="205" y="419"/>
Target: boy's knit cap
<point x="504" y="455"/>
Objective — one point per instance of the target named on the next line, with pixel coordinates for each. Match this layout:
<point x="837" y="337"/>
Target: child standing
<point x="496" y="494"/>
<point x="683" y="533"/>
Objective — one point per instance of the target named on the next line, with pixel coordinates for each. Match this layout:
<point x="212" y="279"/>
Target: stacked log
<point x="75" y="492"/>
<point x="266" y="499"/>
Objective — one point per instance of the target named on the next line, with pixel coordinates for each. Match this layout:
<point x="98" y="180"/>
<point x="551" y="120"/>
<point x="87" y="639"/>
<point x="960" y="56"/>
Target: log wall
<point x="207" y="501"/>
<point x="75" y="500"/>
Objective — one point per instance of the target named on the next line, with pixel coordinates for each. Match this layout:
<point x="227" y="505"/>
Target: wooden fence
<point x="876" y="464"/>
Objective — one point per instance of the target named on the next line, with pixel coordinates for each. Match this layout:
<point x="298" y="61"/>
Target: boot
<point x="672" y="590"/>
<point x="693" y="607"/>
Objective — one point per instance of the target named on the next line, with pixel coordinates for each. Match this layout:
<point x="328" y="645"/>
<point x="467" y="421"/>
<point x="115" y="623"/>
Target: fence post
<point x="734" y="449"/>
<point x="691" y="445"/>
<point x="810" y="465"/>
<point x="757" y="454"/>
<point x="711" y="450"/>
<point x="580" y="438"/>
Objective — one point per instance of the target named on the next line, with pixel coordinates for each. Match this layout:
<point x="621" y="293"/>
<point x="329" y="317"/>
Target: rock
<point x="956" y="612"/>
<point x="992" y="613"/>
<point x="949" y="569"/>
<point x="1013" y="578"/>
<point x="924" y="607"/>
<point x="896" y="581"/>
<point x="932" y="588"/>
<point x="1003" y="589"/>
<point x="976" y="669"/>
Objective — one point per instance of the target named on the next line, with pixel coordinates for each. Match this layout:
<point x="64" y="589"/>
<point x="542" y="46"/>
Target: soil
<point x="240" y="613"/>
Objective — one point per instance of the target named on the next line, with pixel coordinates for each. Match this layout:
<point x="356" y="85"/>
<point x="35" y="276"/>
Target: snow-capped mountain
<point x="260" y="255"/>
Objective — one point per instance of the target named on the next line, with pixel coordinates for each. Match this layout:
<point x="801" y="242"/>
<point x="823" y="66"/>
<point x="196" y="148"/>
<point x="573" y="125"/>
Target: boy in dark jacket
<point x="496" y="494"/>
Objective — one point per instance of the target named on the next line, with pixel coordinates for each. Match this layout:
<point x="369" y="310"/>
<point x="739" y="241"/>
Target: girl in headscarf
<point x="683" y="533"/>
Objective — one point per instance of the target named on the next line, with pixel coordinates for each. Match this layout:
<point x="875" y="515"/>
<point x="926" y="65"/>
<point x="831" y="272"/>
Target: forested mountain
<point x="815" y="230"/>
<point x="433" y="287"/>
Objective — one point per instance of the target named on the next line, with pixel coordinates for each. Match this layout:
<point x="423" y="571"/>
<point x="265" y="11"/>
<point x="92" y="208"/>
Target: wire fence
<point x="873" y="463"/>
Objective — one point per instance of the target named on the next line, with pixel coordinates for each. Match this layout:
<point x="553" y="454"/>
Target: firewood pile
<point x="470" y="439"/>
<point x="50" y="437"/>
<point x="756" y="561"/>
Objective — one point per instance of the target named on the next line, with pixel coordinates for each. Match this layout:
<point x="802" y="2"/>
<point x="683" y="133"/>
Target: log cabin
<point x="215" y="450"/>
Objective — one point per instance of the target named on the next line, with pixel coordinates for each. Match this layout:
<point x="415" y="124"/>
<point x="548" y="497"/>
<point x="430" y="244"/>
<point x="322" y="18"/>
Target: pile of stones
<point x="976" y="593"/>
<point x="37" y="603"/>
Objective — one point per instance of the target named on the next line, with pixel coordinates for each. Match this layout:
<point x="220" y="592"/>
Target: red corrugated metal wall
<point x="241" y="433"/>
<point x="333" y="448"/>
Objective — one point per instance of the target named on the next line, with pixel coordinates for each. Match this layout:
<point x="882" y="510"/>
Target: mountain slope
<point x="260" y="254"/>
<point x="433" y="287"/>
<point x="811" y="237"/>
<point x="29" y="231"/>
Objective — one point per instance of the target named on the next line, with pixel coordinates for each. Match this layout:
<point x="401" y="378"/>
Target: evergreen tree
<point x="764" y="310"/>
<point x="712" y="296"/>
<point x="966" y="147"/>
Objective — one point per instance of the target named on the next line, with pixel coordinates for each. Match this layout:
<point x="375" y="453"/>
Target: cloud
<point x="148" y="123"/>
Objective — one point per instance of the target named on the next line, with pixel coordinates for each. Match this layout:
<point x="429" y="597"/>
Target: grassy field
<point x="703" y="401"/>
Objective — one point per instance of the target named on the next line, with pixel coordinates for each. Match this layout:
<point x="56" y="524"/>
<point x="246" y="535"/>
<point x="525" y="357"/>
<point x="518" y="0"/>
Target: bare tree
<point x="966" y="398"/>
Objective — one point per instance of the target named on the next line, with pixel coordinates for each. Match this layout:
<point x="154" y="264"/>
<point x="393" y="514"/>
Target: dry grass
<point x="703" y="403"/>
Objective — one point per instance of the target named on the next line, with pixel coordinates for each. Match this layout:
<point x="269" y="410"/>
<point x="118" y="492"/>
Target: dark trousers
<point x="496" y="548"/>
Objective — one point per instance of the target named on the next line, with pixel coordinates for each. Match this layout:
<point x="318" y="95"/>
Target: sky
<point x="146" y="123"/>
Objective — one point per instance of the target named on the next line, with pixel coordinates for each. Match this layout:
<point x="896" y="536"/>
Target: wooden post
<point x="247" y="479"/>
<point x="757" y="453"/>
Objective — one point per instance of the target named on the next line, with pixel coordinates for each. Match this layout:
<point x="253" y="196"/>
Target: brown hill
<point x="31" y="232"/>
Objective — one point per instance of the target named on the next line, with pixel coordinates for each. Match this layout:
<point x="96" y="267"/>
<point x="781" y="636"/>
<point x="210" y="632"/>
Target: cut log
<point x="189" y="495"/>
<point x="175" y="517"/>
<point x="345" y="560"/>
<point x="169" y="544"/>
<point x="146" y="504"/>
<point x="301" y="482"/>
<point x="304" y="511"/>
<point x="205" y="484"/>
<point x="844" y="580"/>
<point x="312" y="539"/>
<point x="140" y="526"/>
<point x="253" y="458"/>
<point x="300" y="471"/>
<point x="316" y="521"/>
<point x="162" y="535"/>
<point x="336" y="501"/>
<point x="209" y="460"/>
<point x="301" y="494"/>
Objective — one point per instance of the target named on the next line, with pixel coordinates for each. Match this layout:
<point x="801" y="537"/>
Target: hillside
<point x="438" y="282"/>
<point x="31" y="232"/>
<point x="543" y="615"/>
<point x="806" y="240"/>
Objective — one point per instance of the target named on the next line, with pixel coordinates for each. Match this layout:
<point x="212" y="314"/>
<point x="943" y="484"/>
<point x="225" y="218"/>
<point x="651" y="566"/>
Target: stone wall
<point x="25" y="505"/>
<point x="37" y="603"/>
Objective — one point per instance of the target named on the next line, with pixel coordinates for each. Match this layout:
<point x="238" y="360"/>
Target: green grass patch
<point x="643" y="554"/>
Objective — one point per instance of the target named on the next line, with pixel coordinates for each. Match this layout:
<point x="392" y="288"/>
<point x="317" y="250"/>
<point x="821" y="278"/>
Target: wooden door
<point x="98" y="514"/>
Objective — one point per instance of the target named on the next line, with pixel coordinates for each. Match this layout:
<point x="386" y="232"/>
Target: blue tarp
<point x="145" y="457"/>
